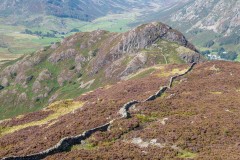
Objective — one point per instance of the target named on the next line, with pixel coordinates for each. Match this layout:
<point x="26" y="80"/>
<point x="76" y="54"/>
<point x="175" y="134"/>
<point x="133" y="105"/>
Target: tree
<point x="221" y="50"/>
<point x="229" y="56"/>
<point x="207" y="52"/>
<point x="27" y="31"/>
<point x="209" y="44"/>
<point x="1" y="87"/>
<point x="75" y="30"/>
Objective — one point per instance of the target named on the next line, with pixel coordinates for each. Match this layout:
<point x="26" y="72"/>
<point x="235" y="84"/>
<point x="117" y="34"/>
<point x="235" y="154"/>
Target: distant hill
<point x="210" y="25"/>
<point x="86" y="10"/>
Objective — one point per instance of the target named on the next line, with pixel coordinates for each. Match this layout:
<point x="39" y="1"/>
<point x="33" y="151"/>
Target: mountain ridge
<point x="77" y="9"/>
<point x="86" y="61"/>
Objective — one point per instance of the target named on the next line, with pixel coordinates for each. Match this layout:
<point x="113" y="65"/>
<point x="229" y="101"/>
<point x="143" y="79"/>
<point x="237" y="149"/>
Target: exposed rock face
<point x="64" y="76"/>
<point x="136" y="63"/>
<point x="22" y="97"/>
<point x="221" y="16"/>
<point x="147" y="34"/>
<point x="53" y="98"/>
<point x="5" y="82"/>
<point x="190" y="57"/>
<point x="140" y="38"/>
<point x="18" y="69"/>
<point x="56" y="57"/>
<point x="79" y="60"/>
<point x="142" y="144"/>
<point x="36" y="87"/>
<point x="44" y="75"/>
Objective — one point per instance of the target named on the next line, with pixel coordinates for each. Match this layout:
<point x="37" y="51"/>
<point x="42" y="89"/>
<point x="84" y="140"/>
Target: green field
<point x="14" y="42"/>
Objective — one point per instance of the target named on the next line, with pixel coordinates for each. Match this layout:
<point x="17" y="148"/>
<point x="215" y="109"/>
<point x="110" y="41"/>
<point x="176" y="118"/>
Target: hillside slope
<point x="85" y="10"/>
<point x="209" y="24"/>
<point x="221" y="16"/>
<point x="197" y="118"/>
<point x="86" y="61"/>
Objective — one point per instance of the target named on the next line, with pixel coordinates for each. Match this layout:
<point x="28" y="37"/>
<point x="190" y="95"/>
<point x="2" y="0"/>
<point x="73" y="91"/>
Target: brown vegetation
<point x="198" y="118"/>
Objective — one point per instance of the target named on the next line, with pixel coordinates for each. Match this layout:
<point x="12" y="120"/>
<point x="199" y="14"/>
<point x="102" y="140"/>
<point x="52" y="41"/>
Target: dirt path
<point x="165" y="58"/>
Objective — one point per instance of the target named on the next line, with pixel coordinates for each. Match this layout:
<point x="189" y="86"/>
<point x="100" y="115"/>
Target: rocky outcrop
<point x="64" y="76"/>
<point x="79" y="60"/>
<point x="145" y="35"/>
<point x="36" y="87"/>
<point x="22" y="97"/>
<point x="221" y="16"/>
<point x="56" y="57"/>
<point x="191" y="57"/>
<point x="17" y="71"/>
<point x="44" y="75"/>
<point x="140" y="38"/>
<point x="5" y="82"/>
<point x="136" y="63"/>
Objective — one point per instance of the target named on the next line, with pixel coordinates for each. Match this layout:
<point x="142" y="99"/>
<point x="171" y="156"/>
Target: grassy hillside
<point x="14" y="40"/>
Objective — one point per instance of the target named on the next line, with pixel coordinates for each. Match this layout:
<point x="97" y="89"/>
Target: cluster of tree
<point x="209" y="44"/>
<point x="222" y="53"/>
<point x="41" y="34"/>
<point x="196" y="31"/>
<point x="205" y="53"/>
<point x="1" y="87"/>
<point x="233" y="39"/>
<point x="229" y="56"/>
<point x="51" y="34"/>
<point x="75" y="30"/>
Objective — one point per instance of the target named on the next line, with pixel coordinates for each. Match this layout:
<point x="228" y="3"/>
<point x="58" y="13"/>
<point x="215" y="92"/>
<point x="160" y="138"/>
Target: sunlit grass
<point x="187" y="155"/>
<point x="171" y="73"/>
<point x="59" y="109"/>
<point x="216" y="93"/>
